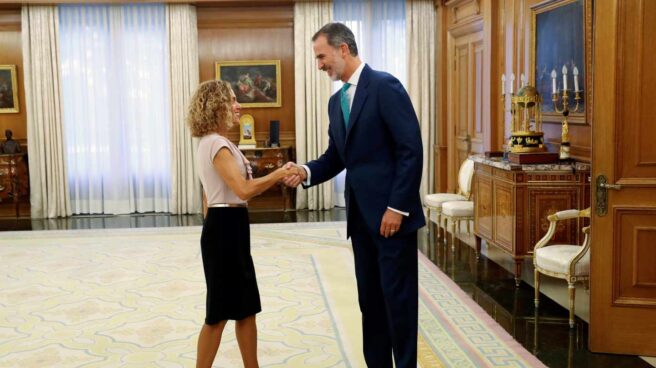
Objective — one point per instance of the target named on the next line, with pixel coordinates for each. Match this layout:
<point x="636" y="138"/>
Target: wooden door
<point x="623" y="247"/>
<point x="465" y="94"/>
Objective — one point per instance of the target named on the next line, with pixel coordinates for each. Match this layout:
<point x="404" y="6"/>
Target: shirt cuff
<point x="309" y="175"/>
<point x="406" y="214"/>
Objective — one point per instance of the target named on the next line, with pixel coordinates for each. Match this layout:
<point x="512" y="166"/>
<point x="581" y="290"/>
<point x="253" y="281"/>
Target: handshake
<point x="292" y="174"/>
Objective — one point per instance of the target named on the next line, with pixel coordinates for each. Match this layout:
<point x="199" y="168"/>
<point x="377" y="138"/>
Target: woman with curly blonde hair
<point x="232" y="292"/>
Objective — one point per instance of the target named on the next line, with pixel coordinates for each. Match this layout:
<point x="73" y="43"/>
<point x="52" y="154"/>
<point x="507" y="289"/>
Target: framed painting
<point x="256" y="83"/>
<point x="561" y="35"/>
<point x="8" y="89"/>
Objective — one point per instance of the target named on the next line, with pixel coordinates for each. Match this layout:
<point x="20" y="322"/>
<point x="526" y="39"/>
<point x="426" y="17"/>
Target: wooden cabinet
<point x="263" y="161"/>
<point x="14" y="180"/>
<point x="512" y="202"/>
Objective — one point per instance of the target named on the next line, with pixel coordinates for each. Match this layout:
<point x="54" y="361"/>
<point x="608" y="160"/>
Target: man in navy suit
<point x="374" y="134"/>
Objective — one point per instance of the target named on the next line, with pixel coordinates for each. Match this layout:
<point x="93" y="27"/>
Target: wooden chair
<point x="433" y="202"/>
<point x="456" y="212"/>
<point x="564" y="261"/>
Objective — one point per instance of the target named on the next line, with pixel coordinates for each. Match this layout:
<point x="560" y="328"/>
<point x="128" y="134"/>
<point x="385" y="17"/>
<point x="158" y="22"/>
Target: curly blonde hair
<point x="210" y="108"/>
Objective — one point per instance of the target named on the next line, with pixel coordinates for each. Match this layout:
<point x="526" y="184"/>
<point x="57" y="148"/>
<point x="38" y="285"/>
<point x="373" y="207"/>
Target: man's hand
<point x="294" y="180"/>
<point x="391" y="223"/>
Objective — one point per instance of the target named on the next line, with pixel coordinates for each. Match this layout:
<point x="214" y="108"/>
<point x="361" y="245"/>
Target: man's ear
<point x="344" y="50"/>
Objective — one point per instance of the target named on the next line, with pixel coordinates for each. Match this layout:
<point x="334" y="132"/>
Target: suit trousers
<point x="387" y="279"/>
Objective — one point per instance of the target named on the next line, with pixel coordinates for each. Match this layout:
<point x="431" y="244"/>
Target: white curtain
<point x="114" y="68"/>
<point x="379" y="28"/>
<point x="183" y="45"/>
<point x="312" y="89"/>
<point x="421" y="29"/>
<point x="48" y="185"/>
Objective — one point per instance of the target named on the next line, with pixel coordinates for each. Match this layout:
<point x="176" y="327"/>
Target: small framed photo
<point x="256" y="83"/>
<point x="8" y="89"/>
<point x="247" y="132"/>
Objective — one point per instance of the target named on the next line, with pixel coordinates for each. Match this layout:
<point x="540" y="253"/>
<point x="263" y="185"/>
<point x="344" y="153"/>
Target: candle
<point x="512" y="82"/>
<point x="522" y="78"/>
<point x="553" y="81"/>
<point x="503" y="84"/>
<point x="576" y="79"/>
<point x="564" y="77"/>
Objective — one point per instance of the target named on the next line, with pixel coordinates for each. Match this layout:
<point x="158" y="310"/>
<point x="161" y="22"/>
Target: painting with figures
<point x="8" y="89"/>
<point x="256" y="83"/>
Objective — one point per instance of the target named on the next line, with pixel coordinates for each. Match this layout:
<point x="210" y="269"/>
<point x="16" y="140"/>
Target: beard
<point x="336" y="71"/>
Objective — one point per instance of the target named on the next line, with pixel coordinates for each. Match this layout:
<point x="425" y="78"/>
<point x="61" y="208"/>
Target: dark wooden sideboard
<point x="263" y="161"/>
<point x="14" y="180"/>
<point x="512" y="202"/>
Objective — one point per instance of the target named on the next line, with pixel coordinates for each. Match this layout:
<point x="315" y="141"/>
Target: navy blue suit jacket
<point x="381" y="151"/>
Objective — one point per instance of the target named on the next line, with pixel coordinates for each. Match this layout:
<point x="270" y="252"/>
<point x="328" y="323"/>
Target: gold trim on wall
<point x="581" y="118"/>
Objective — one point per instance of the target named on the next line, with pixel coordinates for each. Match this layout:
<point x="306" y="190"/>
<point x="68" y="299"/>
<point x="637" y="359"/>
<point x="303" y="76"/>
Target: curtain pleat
<point x="49" y="194"/>
<point x="421" y="30"/>
<point x="115" y="93"/>
<point x="186" y="195"/>
<point x="312" y="90"/>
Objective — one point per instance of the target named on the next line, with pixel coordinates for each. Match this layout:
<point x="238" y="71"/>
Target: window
<point x="115" y="98"/>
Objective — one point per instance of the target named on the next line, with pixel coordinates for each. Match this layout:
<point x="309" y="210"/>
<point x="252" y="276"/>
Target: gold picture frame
<point x="8" y="90"/>
<point x="561" y="34"/>
<point x="256" y="82"/>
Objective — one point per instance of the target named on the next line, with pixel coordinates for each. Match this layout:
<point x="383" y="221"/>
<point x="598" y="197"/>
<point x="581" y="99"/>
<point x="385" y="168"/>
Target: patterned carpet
<point x="135" y="298"/>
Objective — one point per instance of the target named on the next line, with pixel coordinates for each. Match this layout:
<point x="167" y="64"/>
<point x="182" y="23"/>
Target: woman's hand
<point x="285" y="172"/>
<point x="230" y="172"/>
<point x="299" y="176"/>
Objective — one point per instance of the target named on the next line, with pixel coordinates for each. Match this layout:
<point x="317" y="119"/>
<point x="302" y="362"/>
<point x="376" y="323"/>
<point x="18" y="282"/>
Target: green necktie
<point x="346" y="107"/>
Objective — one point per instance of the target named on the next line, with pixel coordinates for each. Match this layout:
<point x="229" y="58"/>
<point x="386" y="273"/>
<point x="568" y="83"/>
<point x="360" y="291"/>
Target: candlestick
<point x="564" y="98"/>
<point x="503" y="84"/>
<point x="564" y="77"/>
<point x="512" y="82"/>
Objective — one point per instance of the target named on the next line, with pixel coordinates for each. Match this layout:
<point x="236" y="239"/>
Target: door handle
<point x="611" y="186"/>
<point x="602" y="194"/>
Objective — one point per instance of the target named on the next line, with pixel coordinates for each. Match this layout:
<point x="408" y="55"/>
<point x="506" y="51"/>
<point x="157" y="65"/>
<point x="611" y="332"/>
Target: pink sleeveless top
<point x="216" y="189"/>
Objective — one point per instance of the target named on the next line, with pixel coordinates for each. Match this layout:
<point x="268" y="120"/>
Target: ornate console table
<point x="263" y="161"/>
<point x="14" y="179"/>
<point x="512" y="202"/>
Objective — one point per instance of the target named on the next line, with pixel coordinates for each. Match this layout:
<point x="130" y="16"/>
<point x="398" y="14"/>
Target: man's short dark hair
<point x="337" y="34"/>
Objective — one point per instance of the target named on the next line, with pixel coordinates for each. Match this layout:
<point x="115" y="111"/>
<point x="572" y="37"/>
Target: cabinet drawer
<point x="264" y="161"/>
<point x="483" y="205"/>
<point x="264" y="166"/>
<point x="503" y="214"/>
<point x="253" y="155"/>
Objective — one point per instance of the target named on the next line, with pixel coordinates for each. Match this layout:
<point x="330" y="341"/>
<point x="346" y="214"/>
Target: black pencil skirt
<point x="229" y="271"/>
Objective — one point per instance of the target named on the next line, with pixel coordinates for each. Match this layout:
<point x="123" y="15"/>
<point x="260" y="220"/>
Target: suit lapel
<point x="359" y="99"/>
<point x="339" y="128"/>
